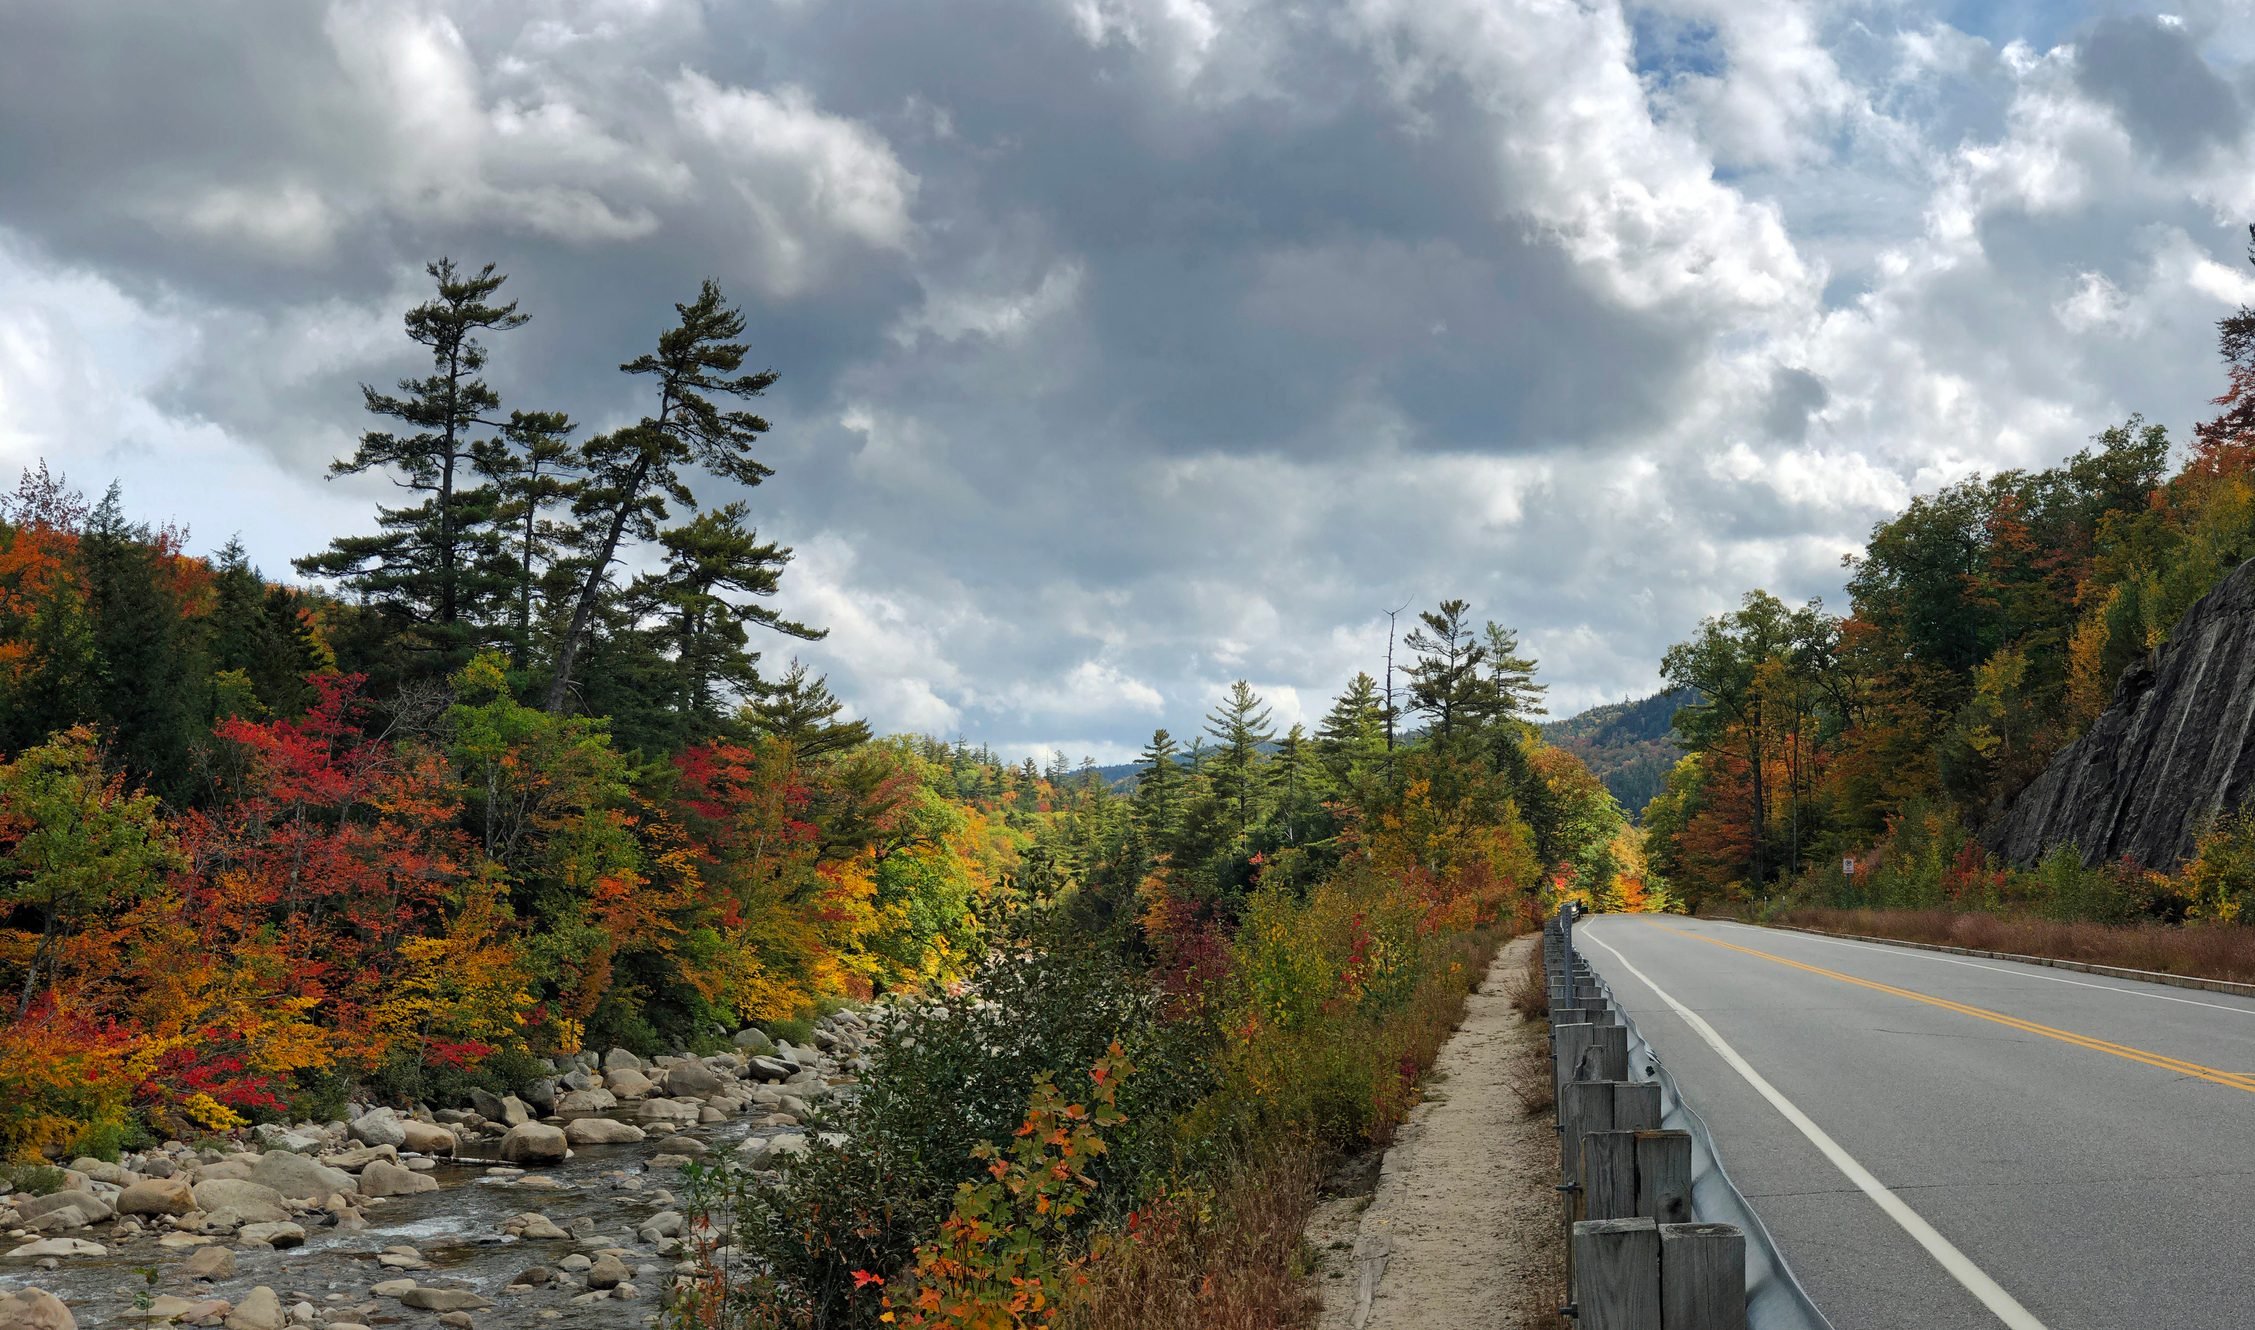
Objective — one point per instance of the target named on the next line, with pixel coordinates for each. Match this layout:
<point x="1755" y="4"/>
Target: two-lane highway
<point x="1939" y="1141"/>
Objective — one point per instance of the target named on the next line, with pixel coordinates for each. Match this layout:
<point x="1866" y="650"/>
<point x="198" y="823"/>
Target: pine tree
<point x="804" y="712"/>
<point x="1239" y="727"/>
<point x="431" y="565"/>
<point x="1158" y="789"/>
<point x="1446" y="685"/>
<point x="713" y="563"/>
<point x="1352" y="738"/>
<point x="144" y="666"/>
<point x="632" y="473"/>
<point x="532" y="468"/>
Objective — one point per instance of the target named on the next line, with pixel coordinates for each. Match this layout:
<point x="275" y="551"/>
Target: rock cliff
<point x="2175" y="747"/>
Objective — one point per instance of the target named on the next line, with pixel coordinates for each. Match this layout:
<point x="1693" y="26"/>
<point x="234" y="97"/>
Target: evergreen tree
<point x="531" y="464"/>
<point x="1158" y="789"/>
<point x="804" y="712"/>
<point x="630" y="474"/>
<point x="143" y="662"/>
<point x="1239" y="727"/>
<point x="1445" y="685"/>
<point x="700" y="622"/>
<point x="430" y="566"/>
<point x="1351" y="741"/>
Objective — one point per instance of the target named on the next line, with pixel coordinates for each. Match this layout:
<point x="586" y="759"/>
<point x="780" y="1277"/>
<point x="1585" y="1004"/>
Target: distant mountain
<point x="1625" y="744"/>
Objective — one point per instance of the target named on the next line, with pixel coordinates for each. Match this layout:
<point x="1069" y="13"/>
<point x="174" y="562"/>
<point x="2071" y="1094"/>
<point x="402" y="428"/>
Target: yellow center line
<point x="2236" y="1080"/>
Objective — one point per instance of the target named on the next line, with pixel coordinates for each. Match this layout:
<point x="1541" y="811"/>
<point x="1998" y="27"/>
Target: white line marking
<point x="1961" y="1267"/>
<point x="2022" y="971"/>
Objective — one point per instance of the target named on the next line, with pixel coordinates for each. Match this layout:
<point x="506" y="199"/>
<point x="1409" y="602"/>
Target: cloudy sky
<point x="1132" y="346"/>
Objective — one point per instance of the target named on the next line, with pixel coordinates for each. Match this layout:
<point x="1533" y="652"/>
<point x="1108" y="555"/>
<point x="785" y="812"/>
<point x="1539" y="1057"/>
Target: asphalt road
<point x="2078" y="1151"/>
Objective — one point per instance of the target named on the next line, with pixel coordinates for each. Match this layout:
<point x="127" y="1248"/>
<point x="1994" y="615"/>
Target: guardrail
<point x="1657" y="1236"/>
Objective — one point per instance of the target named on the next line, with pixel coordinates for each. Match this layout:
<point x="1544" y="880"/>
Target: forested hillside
<point x="1628" y="745"/>
<point x="1987" y="627"/>
<point x="520" y="783"/>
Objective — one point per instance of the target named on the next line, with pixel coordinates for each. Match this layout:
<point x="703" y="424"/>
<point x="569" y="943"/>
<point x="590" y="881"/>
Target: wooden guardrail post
<point x="1608" y="1176"/>
<point x="1702" y="1277"/>
<point x="1663" y="1176"/>
<point x="1585" y="1107"/>
<point x="1636" y="1104"/>
<point x="1617" y="1274"/>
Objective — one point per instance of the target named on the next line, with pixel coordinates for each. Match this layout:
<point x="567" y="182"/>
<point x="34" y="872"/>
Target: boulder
<point x="382" y="1179"/>
<point x="209" y="1263"/>
<point x="586" y="1101"/>
<point x="487" y="1103"/>
<point x="427" y="1138"/>
<point x="618" y="1059"/>
<point x="608" y="1272"/>
<point x="379" y="1127"/>
<point x="667" y="1110"/>
<point x="46" y="1247"/>
<point x="64" y="1210"/>
<point x="627" y="1083"/>
<point x="760" y="1151"/>
<point x="444" y="1299"/>
<point x="300" y="1178"/>
<point x="251" y="1202"/>
<point x="601" y="1131"/>
<point x="157" y="1196"/>
<point x="580" y="1078"/>
<point x="692" y="1079"/>
<point x="767" y="1067"/>
<point x="35" y="1309"/>
<point x="514" y="1111"/>
<point x="354" y="1160"/>
<point x="754" y="1040"/>
<point x="259" y="1310"/>
<point x="278" y="1236"/>
<point x="541" y="1094"/>
<point x="534" y="1143"/>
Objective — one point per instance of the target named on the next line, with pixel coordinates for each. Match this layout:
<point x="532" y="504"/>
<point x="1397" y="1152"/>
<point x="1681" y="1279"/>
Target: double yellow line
<point x="2236" y="1080"/>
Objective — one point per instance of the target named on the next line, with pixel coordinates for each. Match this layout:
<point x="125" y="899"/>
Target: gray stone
<point x="300" y="1178"/>
<point x="770" y="1068"/>
<point x="249" y="1201"/>
<point x="277" y="1236"/>
<point x="35" y="1309"/>
<point x="209" y="1263"/>
<point x="45" y="1247"/>
<point x="2174" y="749"/>
<point x="754" y="1040"/>
<point x="692" y="1079"/>
<point x="383" y="1179"/>
<point x="63" y="1210"/>
<point x="487" y="1103"/>
<point x="619" y="1059"/>
<point x="428" y="1138"/>
<point x="534" y="1143"/>
<point x="379" y="1127"/>
<point x="541" y="1094"/>
<point x="444" y="1299"/>
<point x="627" y="1083"/>
<point x="259" y="1310"/>
<point x="586" y="1101"/>
<point x="601" y="1131"/>
<point x="608" y="1272"/>
<point x="157" y="1196"/>
<point x="514" y="1111"/>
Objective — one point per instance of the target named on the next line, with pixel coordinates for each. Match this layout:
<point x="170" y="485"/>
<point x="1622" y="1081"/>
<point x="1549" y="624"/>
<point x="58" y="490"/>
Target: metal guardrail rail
<point x="1659" y="1236"/>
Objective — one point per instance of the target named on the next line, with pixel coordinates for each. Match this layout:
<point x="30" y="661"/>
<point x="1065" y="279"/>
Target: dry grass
<point x="2208" y="951"/>
<point x="1231" y="1261"/>
<point x="1530" y="994"/>
<point x="1544" y="1291"/>
<point x="1531" y="1081"/>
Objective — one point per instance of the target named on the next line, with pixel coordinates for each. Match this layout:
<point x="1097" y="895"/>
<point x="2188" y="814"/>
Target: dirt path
<point x="1460" y="1232"/>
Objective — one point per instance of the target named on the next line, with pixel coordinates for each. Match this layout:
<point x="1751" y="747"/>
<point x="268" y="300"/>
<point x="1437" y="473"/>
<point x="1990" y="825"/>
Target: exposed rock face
<point x="2175" y="748"/>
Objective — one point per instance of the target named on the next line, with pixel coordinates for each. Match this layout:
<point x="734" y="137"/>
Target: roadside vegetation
<point x="1842" y="762"/>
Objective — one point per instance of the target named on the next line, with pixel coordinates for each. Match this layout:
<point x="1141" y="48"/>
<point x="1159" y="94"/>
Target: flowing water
<point x="457" y="1229"/>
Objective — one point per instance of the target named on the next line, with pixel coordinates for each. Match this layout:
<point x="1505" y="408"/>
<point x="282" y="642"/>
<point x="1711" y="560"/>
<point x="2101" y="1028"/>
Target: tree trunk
<point x="590" y="591"/>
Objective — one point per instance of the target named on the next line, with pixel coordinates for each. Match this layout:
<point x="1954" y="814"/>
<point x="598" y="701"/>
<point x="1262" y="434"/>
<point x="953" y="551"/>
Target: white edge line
<point x="2020" y="971"/>
<point x="1960" y="1266"/>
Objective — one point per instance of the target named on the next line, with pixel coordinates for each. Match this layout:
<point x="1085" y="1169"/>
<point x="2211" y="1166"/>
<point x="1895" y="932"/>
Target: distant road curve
<point x="1940" y="1142"/>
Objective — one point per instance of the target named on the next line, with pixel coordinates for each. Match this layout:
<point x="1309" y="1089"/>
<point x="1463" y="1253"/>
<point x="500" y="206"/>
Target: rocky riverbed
<point x="560" y="1208"/>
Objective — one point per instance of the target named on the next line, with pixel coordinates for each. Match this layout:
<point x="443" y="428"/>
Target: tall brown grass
<point x="1530" y="994"/>
<point x="1229" y="1259"/>
<point x="1543" y="1292"/>
<point x="2207" y="951"/>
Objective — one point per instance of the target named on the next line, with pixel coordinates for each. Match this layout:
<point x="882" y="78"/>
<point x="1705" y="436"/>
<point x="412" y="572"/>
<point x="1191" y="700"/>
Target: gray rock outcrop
<point x="2173" y="750"/>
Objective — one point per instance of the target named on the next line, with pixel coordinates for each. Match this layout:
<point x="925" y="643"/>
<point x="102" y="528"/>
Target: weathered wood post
<point x="1663" y="1176"/>
<point x="1636" y="1104"/>
<point x="1617" y="1274"/>
<point x="1586" y="1106"/>
<point x="1608" y="1176"/>
<point x="1567" y="1044"/>
<point x="1702" y="1277"/>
